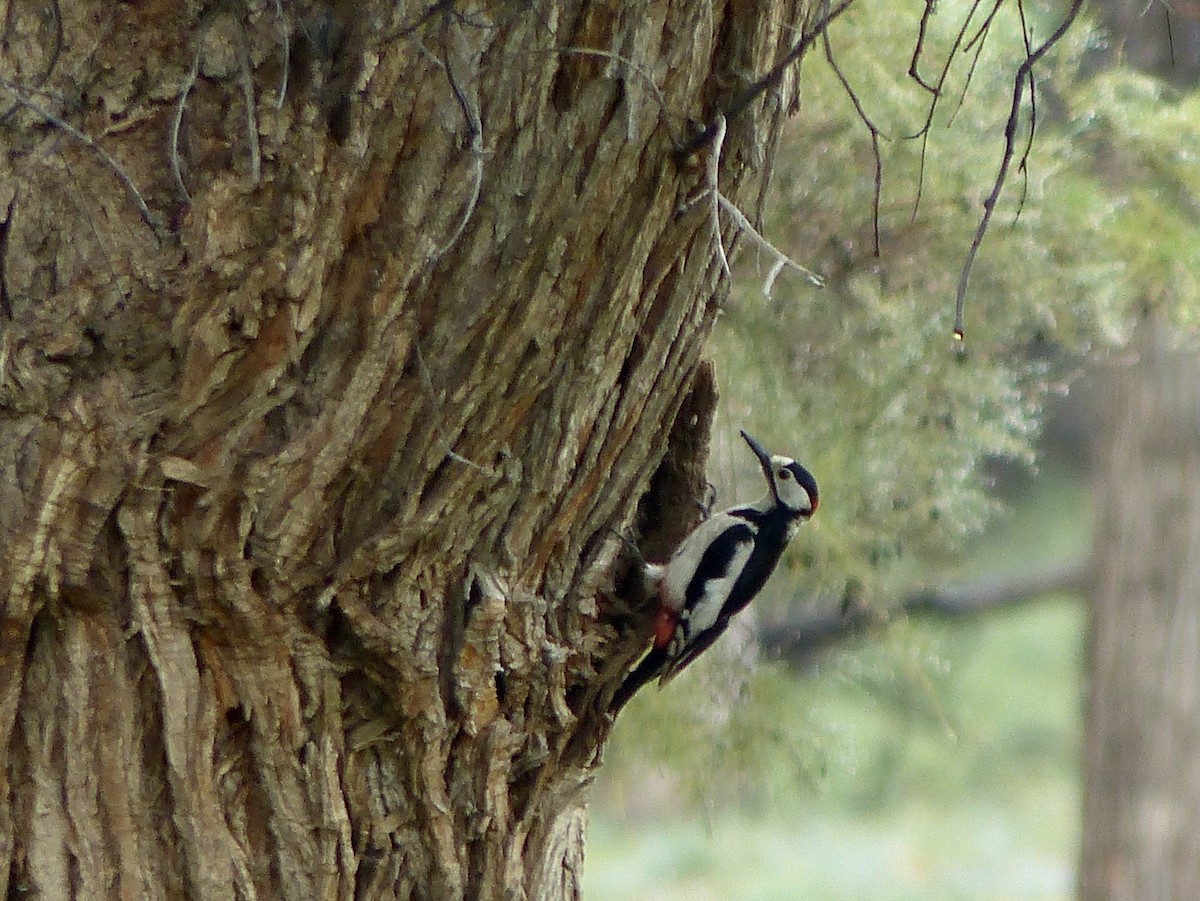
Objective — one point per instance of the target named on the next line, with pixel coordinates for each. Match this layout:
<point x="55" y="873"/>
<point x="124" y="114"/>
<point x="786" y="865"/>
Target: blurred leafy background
<point x="928" y="759"/>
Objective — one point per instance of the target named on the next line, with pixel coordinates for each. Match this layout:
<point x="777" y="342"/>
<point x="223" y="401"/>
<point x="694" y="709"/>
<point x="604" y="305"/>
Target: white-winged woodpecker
<point x="719" y="568"/>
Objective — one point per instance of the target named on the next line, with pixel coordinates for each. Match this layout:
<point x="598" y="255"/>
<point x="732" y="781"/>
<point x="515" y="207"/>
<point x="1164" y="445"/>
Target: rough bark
<point x="1141" y="772"/>
<point x="336" y="340"/>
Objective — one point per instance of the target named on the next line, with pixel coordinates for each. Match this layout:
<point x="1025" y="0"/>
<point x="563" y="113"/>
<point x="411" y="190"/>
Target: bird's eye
<point x="785" y="473"/>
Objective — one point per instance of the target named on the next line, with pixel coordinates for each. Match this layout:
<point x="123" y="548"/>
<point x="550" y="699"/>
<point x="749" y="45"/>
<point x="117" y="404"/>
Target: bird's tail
<point x="650" y="667"/>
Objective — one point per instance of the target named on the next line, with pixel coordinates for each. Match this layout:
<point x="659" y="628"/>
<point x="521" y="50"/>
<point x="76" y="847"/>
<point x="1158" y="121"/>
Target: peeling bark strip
<point x="307" y="502"/>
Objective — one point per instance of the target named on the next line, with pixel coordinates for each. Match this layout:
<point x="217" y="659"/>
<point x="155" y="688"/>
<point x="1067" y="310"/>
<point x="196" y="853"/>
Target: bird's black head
<point x="792" y="486"/>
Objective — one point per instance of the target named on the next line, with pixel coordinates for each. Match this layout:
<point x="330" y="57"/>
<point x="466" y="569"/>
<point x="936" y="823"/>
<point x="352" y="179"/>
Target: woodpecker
<point x="719" y="568"/>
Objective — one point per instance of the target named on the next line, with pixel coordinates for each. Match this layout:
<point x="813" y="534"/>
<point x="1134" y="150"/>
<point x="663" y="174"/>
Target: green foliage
<point x="1136" y="163"/>
<point x="939" y="763"/>
<point x="861" y="380"/>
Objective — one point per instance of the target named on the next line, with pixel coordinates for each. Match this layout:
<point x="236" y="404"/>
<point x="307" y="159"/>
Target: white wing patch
<point x="677" y="572"/>
<point x="716" y="592"/>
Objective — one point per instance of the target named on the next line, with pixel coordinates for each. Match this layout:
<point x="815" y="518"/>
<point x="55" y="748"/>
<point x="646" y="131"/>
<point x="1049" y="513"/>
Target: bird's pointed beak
<point x="764" y="458"/>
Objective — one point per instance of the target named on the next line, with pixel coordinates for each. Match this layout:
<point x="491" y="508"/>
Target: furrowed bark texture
<point x="336" y="340"/>
<point x="1141" y="798"/>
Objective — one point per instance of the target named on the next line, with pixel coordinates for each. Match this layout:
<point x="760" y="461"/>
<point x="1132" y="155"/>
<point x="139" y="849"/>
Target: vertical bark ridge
<point x="307" y="493"/>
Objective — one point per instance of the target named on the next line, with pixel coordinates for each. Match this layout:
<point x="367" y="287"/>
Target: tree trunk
<point x="336" y="340"/>
<point x="1160" y="38"/>
<point x="1141" y="771"/>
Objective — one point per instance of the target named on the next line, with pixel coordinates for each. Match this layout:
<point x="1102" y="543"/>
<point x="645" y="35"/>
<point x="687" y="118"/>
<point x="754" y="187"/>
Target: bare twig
<point x="1023" y="77"/>
<point x="976" y="44"/>
<point x="913" y="71"/>
<point x="779" y="260"/>
<point x="718" y="201"/>
<point x="251" y="109"/>
<point x="439" y="430"/>
<point x="772" y="78"/>
<point x="286" y="37"/>
<point x="872" y="129"/>
<point x="466" y="92"/>
<point x="800" y="638"/>
<point x="712" y="166"/>
<point x="938" y="86"/>
<point x="977" y="40"/>
<point x="177" y="122"/>
<point x="135" y="195"/>
<point x="1023" y="165"/>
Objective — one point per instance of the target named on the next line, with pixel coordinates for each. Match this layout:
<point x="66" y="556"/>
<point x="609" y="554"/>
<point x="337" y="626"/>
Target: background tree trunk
<point x="1161" y="39"/>
<point x="1141" y="771"/>
<point x="336" y="338"/>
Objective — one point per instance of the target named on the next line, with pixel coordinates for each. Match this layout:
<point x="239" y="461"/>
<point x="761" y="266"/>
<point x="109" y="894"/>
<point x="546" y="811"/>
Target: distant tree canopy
<point x="861" y="379"/>
<point x="878" y="398"/>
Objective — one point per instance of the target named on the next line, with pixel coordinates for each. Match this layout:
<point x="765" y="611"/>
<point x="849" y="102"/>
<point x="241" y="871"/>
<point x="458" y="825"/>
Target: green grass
<point x="947" y="771"/>
<point x="966" y="851"/>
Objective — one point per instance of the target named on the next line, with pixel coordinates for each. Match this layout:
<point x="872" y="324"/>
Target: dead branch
<point x="718" y="201"/>
<point x="872" y="129"/>
<point x="975" y="46"/>
<point x="913" y="64"/>
<point x="1024" y="77"/>
<point x="743" y="100"/>
<point x="935" y="89"/>
<point x="466" y="93"/>
<point x="247" y="81"/>
<point x="799" y="639"/>
<point x="176" y="123"/>
<point x="712" y="167"/>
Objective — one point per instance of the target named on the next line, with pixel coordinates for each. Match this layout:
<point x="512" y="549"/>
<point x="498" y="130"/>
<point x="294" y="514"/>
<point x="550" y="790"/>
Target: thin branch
<point x="918" y="48"/>
<point x="939" y="85"/>
<point x="62" y="125"/>
<point x="871" y="128"/>
<point x="1024" y="75"/>
<point x="780" y="260"/>
<point x="177" y="122"/>
<point x="976" y="43"/>
<point x="439" y="419"/>
<point x="799" y="639"/>
<point x="251" y="109"/>
<point x="772" y="78"/>
<point x="1023" y="165"/>
<point x="467" y="94"/>
<point x="718" y="201"/>
<point x="981" y="33"/>
<point x="285" y="32"/>
<point x="711" y="167"/>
